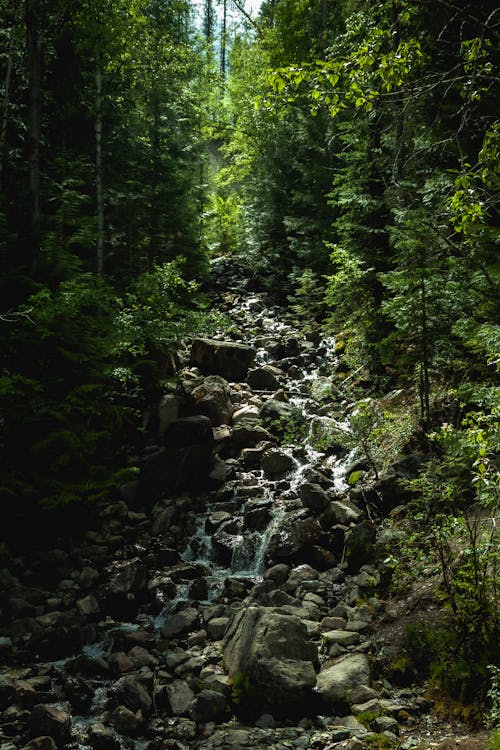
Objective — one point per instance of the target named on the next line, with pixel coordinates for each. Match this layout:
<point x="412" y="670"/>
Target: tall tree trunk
<point x="6" y="96"/>
<point x="98" y="161"/>
<point x="223" y="41"/>
<point x="154" y="222"/>
<point x="424" y="361"/>
<point x="31" y="8"/>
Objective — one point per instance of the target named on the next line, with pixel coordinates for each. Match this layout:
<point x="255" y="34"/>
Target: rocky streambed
<point x="231" y="597"/>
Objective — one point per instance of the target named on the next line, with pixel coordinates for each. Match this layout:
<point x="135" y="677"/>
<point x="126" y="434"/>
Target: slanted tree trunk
<point x="31" y="8"/>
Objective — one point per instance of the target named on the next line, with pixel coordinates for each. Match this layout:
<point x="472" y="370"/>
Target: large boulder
<point x="212" y="398"/>
<point x="336" y="683"/>
<point x="224" y="358"/>
<point x="269" y="659"/>
<point x="264" y="378"/>
<point x="296" y="534"/>
<point x="52" y="722"/>
<point x="276" y="463"/>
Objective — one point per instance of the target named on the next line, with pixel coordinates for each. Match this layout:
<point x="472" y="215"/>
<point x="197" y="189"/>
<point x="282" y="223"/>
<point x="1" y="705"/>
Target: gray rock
<point x="131" y="578"/>
<point x="247" y="435"/>
<point x="168" y="411"/>
<point x="189" y="431"/>
<point x="277" y="573"/>
<point x="276" y="463"/>
<point x="295" y="534"/>
<point x="180" y="697"/>
<point x="179" y="623"/>
<point x="87" y="606"/>
<point x="385" y="724"/>
<point x="264" y="378"/>
<point x="274" y="410"/>
<point x="335" y="683"/>
<point x="101" y="737"/>
<point x="212" y="399"/>
<point x="217" y="627"/>
<point x="209" y="705"/>
<point x="362" y="694"/>
<point x="132" y="694"/>
<point x="314" y="497"/>
<point x="342" y="637"/>
<point x="224" y="358"/>
<point x="269" y="658"/>
<point x="126" y="721"/>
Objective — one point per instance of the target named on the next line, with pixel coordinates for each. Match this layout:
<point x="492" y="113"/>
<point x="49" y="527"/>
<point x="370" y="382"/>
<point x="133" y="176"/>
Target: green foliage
<point x="454" y="522"/>
<point x="75" y="372"/>
<point x="290" y="430"/>
<point x="379" y="433"/>
<point x="494" y="695"/>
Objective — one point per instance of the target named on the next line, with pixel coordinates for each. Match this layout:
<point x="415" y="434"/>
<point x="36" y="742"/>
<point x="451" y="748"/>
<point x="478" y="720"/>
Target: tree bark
<point x="31" y="8"/>
<point x="98" y="161"/>
<point x="6" y="96"/>
<point x="154" y="223"/>
<point x="223" y="42"/>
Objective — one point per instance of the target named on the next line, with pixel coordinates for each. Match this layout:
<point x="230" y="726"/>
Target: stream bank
<point x="233" y="596"/>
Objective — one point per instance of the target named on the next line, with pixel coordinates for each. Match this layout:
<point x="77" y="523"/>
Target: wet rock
<point x="269" y="658"/>
<point x="257" y="518"/>
<point x="276" y="463"/>
<point x="209" y="705"/>
<point x="224" y="358"/>
<point x="339" y="513"/>
<point x="180" y="623"/>
<point x="296" y="534"/>
<point x="212" y="399"/>
<point x="126" y="721"/>
<point x="132" y="694"/>
<point x="337" y="681"/>
<point x="79" y="693"/>
<point x="277" y="573"/>
<point x="180" y="697"/>
<point x="50" y="721"/>
<point x="101" y="737"/>
<point x="314" y="497"/>
<point x="264" y="378"/>
<point x="321" y="389"/>
<point x="131" y="578"/>
<point x="274" y="410"/>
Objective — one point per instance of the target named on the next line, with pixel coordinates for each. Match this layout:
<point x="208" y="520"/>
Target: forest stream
<point x="245" y="613"/>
